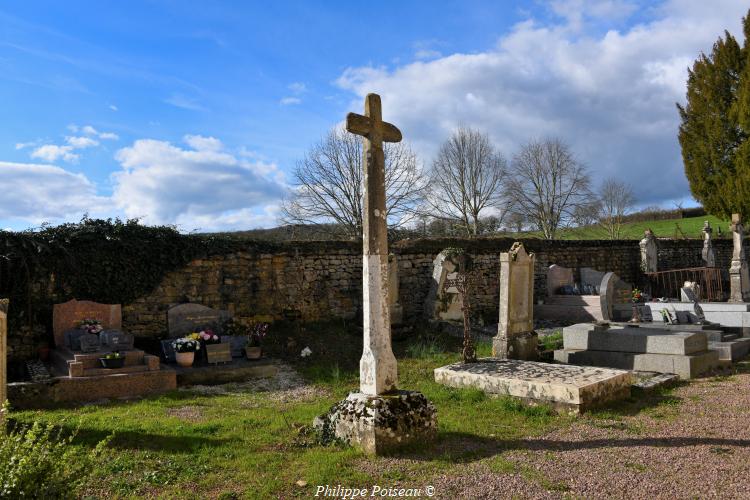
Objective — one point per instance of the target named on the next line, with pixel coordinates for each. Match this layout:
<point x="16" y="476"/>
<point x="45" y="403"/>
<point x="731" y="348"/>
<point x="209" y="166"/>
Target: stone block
<point x="686" y="366"/>
<point x="381" y="424"/>
<point x="635" y="340"/>
<point x="733" y="350"/>
<point x="574" y="387"/>
<point x="153" y="362"/>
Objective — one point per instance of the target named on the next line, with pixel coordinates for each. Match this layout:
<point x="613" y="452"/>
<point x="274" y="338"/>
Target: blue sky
<point x="194" y="113"/>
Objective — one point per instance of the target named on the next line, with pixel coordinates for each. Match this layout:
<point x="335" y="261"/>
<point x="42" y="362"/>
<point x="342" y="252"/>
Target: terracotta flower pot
<point x="185" y="359"/>
<point x="253" y="352"/>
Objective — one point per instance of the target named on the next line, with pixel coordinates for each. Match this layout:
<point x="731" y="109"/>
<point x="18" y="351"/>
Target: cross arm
<point x="362" y="125"/>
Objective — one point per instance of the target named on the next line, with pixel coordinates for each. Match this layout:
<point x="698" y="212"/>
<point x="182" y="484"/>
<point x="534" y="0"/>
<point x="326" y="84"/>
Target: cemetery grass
<point x="235" y="442"/>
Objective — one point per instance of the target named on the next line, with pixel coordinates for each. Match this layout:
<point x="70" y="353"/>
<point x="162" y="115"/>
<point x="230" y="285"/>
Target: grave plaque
<point x="687" y="294"/>
<point x="116" y="340"/>
<point x="187" y="318"/>
<point x="168" y="352"/>
<point x="89" y="342"/>
<point x="70" y="314"/>
<point x="73" y="338"/>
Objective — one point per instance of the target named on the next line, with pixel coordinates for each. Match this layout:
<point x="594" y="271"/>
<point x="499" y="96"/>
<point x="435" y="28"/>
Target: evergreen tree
<point x="715" y="127"/>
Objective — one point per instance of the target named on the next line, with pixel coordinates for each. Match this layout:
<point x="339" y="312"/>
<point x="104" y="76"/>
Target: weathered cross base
<point x="521" y="346"/>
<point x="381" y="424"/>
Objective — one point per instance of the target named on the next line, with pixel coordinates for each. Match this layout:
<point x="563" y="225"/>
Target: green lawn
<point x="245" y="444"/>
<point x="234" y="442"/>
<point x="670" y="228"/>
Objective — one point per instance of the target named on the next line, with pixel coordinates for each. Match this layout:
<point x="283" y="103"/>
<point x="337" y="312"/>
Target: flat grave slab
<point x="574" y="388"/>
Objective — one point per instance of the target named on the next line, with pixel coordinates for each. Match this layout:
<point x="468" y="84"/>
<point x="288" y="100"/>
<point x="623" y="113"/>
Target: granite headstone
<point x="187" y="318"/>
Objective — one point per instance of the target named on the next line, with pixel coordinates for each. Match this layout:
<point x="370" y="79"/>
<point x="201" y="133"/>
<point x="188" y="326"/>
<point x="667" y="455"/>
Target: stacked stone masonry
<point x="323" y="280"/>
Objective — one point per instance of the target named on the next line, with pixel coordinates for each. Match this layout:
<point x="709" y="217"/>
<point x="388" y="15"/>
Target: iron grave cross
<point x="378" y="373"/>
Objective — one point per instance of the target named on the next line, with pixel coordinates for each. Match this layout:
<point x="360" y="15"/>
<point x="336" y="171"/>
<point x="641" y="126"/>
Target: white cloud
<point x="610" y="93"/>
<point x="52" y="152"/>
<point x="184" y="102"/>
<point x="37" y="193"/>
<point x="297" y="87"/>
<point x="201" y="143"/>
<point x="113" y="107"/>
<point x="78" y="142"/>
<point x="202" y="186"/>
<point x="287" y="101"/>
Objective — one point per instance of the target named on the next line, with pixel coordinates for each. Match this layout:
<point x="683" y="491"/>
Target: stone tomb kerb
<point x="379" y="418"/>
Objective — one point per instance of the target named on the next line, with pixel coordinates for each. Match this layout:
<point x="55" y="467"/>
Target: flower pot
<point x="112" y="362"/>
<point x="253" y="352"/>
<point x="185" y="359"/>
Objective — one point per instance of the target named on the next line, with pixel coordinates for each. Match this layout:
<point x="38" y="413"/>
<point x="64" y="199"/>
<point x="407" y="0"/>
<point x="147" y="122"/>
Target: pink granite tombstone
<point x="69" y="315"/>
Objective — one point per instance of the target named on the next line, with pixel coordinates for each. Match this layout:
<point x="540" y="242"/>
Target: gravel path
<point x="693" y="444"/>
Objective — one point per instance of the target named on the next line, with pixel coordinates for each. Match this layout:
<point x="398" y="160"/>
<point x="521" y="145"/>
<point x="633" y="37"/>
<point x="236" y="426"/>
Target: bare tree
<point x="547" y="184"/>
<point x="616" y="199"/>
<point x="330" y="185"/>
<point x="466" y="179"/>
<point x="587" y="214"/>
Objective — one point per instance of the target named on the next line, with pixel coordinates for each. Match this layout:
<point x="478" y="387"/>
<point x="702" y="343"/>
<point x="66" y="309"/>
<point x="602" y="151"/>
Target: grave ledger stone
<point x="379" y="418"/>
<point x="739" y="281"/>
<point x="516" y="338"/>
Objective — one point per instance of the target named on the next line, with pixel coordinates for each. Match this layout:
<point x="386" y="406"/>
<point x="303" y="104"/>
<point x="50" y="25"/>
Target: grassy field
<point x="234" y="441"/>
<point x="670" y="228"/>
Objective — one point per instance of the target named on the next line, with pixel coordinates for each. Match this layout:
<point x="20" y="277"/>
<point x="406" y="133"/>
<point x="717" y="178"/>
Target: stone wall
<point x="323" y="280"/>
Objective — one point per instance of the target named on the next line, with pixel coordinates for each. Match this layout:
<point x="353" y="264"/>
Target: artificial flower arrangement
<point x="91" y="325"/>
<point x="637" y="295"/>
<point x="208" y="336"/>
<point x="113" y="355"/>
<point x="190" y="343"/>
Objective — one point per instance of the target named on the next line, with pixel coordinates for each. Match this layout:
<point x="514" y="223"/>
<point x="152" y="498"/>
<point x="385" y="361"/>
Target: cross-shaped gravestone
<point x="378" y="373"/>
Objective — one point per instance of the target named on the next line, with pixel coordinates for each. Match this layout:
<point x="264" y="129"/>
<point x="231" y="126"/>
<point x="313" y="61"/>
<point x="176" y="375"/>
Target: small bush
<point x="38" y="462"/>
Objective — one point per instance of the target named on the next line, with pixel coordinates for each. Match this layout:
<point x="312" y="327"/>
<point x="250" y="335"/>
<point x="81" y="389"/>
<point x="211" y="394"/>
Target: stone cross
<point x="739" y="280"/>
<point x="3" y="354"/>
<point x="708" y="255"/>
<point x="378" y="373"/>
<point x="649" y="252"/>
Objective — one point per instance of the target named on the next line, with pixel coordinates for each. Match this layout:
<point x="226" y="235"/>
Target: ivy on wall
<point x="111" y="261"/>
